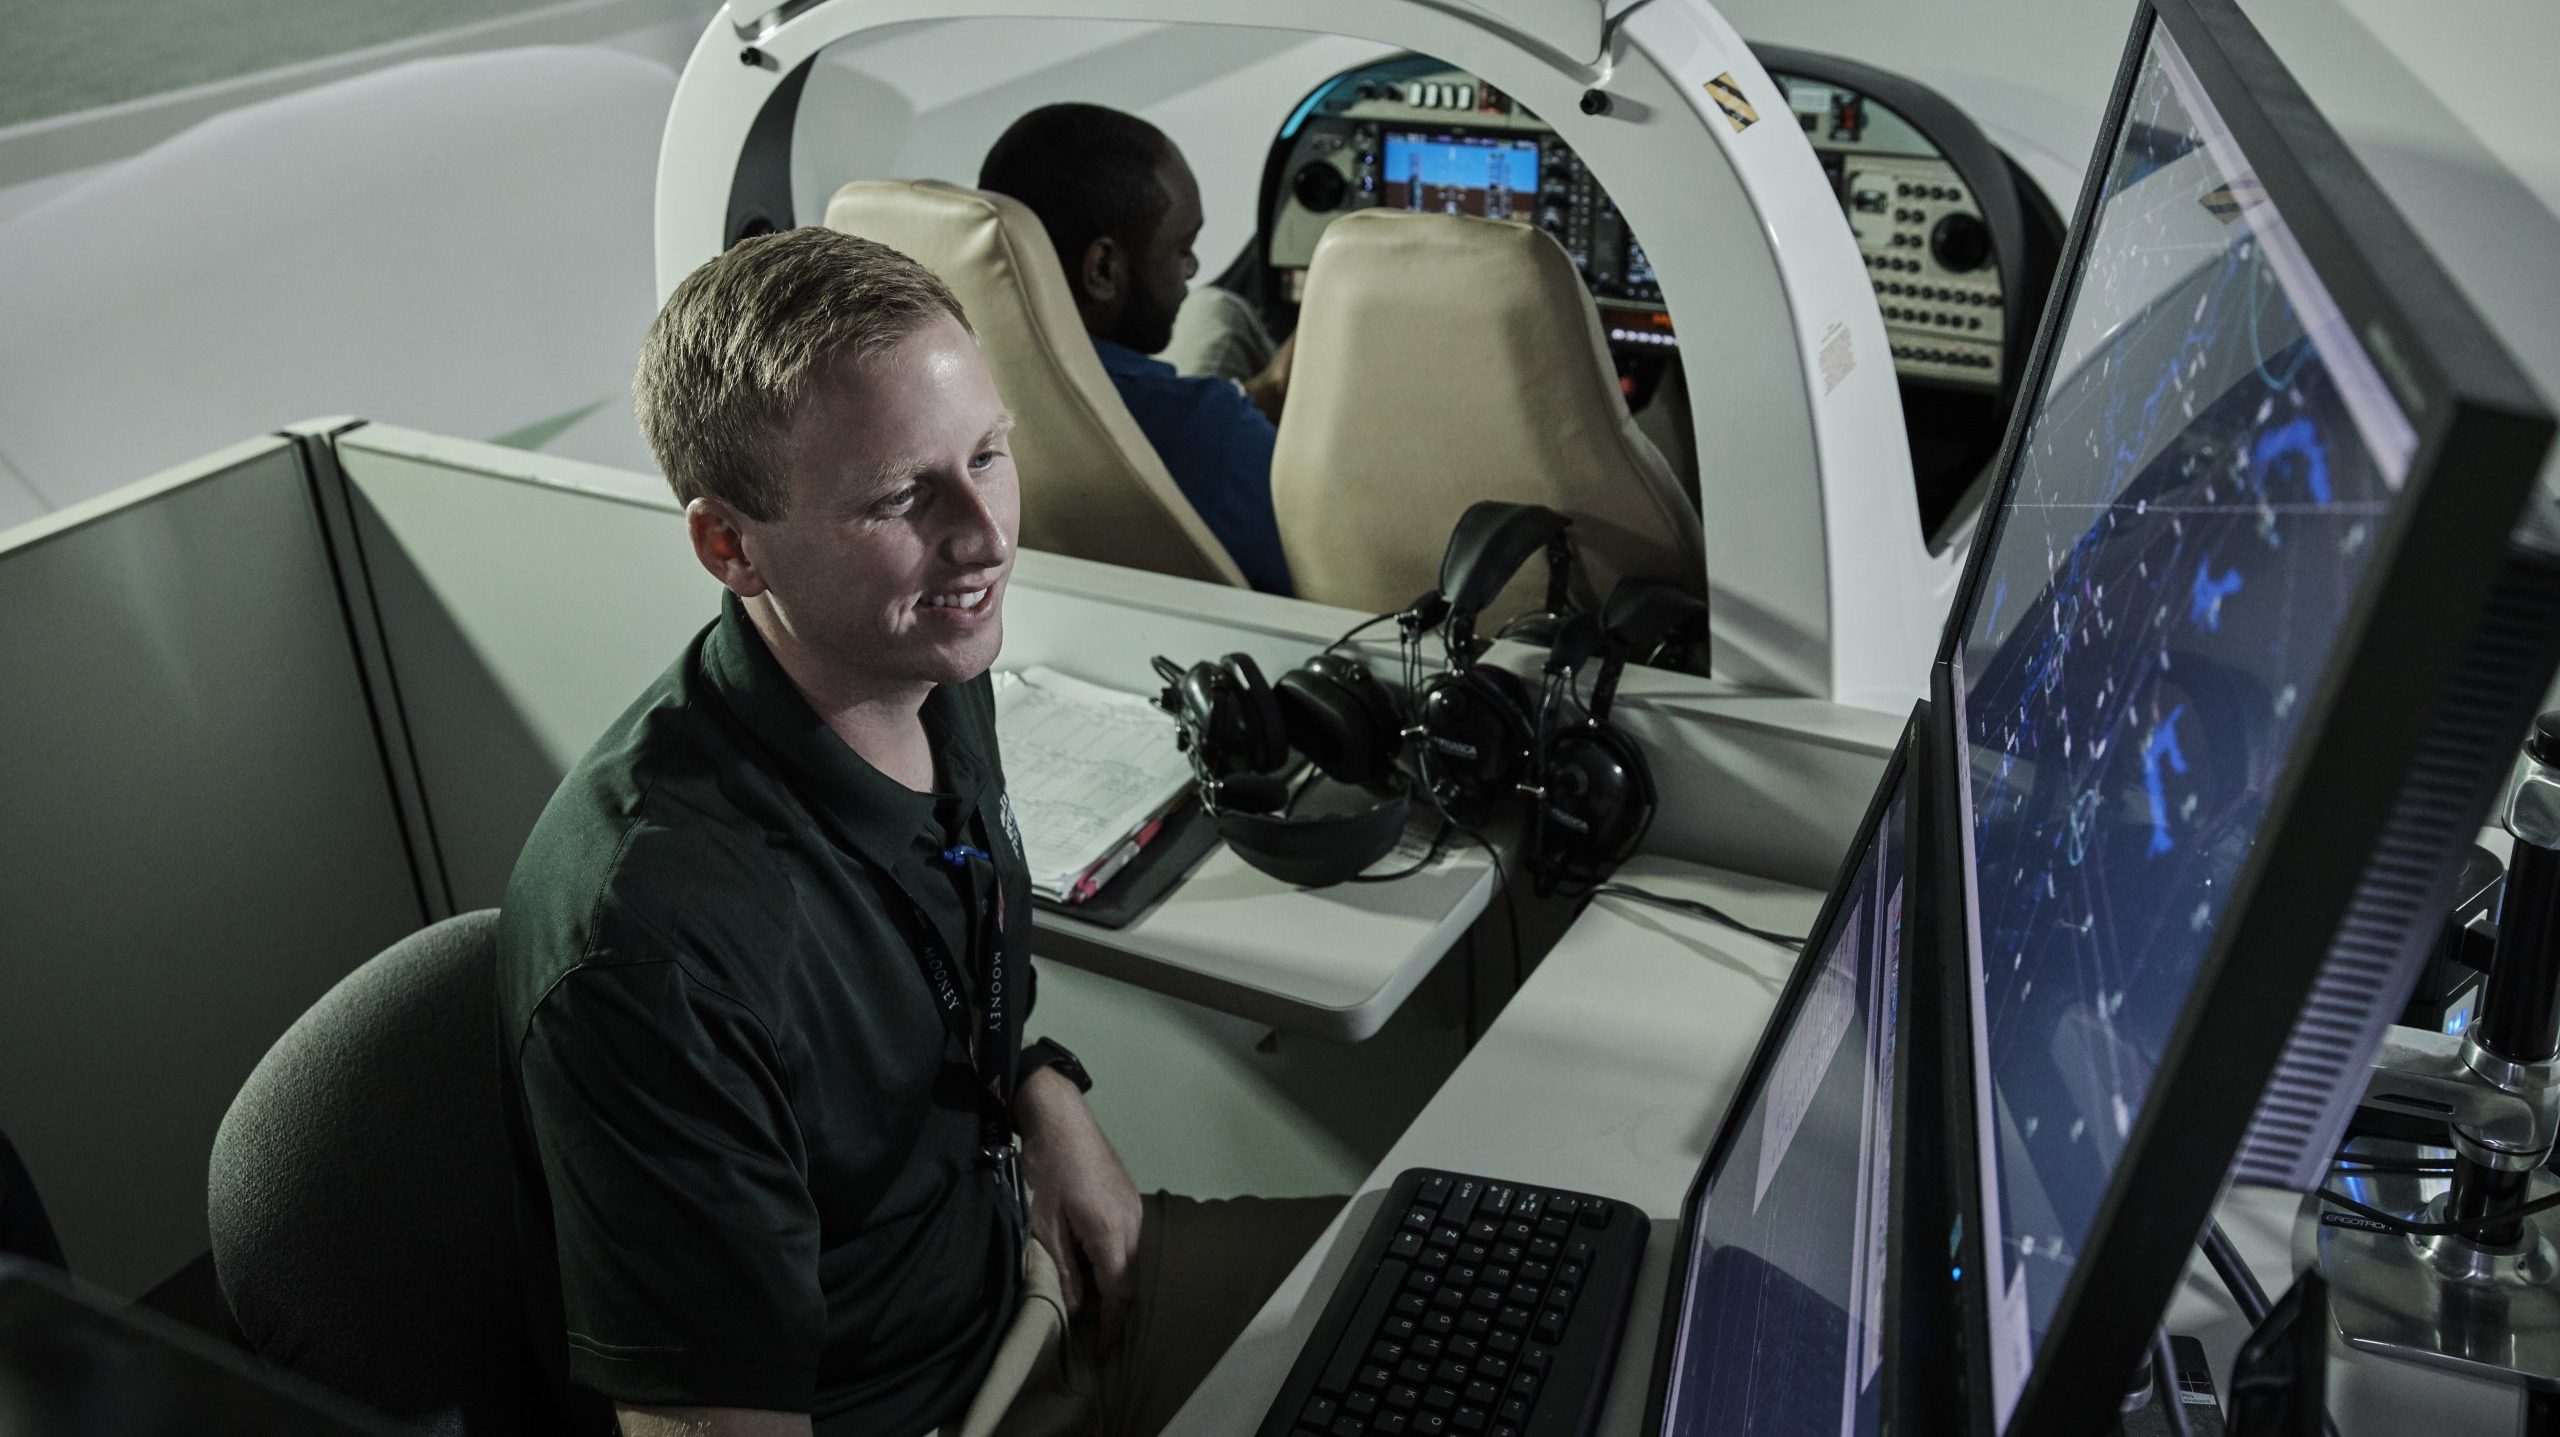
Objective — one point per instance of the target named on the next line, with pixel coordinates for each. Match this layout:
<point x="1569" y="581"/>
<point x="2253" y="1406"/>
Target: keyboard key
<point x="1529" y="1272"/>
<point x="1439" y="1399"/>
<point x="1398" y="1329"/>
<point x="1563" y="1207"/>
<point x="1374" y="1376"/>
<point x="1407" y="1244"/>
<point x="1464" y="1348"/>
<point x="1372" y="1311"/>
<point x="1535" y="1359"/>
<point x="1449" y="1298"/>
<point x="1486" y="1299"/>
<point x="1476" y="1324"/>
<point x="1440" y="1324"/>
<point x="1319" y="1412"/>
<point x="1484" y="1229"/>
<point x="1512" y="1254"/>
<point x="1462" y="1273"/>
<point x="1512" y="1318"/>
<point x="1403" y="1396"/>
<point x="1413" y="1304"/>
<point x="1553" y="1227"/>
<point x="1422" y="1279"/>
<point x="1547" y="1249"/>
<point x="1350" y="1427"/>
<point x="1560" y="1297"/>
<point x="1596" y="1213"/>
<point x="1414" y="1372"/>
<point x="1462" y="1200"/>
<point x="1550" y="1326"/>
<point x="1525" y="1293"/>
<point x="1427" y="1423"/>
<point x="1434" y="1190"/>
<point x="1427" y="1349"/>
<point x="1493" y="1368"/>
<point x="1580" y="1250"/>
<point x="1467" y="1419"/>
<point x="1497" y="1200"/>
<point x="1422" y="1219"/>
<point x="1499" y="1277"/>
<point x="1482" y="1394"/>
<point x="1446" y="1236"/>
<point x="1505" y="1342"/>
<point x="1518" y="1231"/>
<point x="1474" y="1252"/>
<point x="1527" y="1383"/>
<point x="1513" y="1410"/>
<point x="1387" y="1354"/>
<point x="1572" y="1274"/>
<point x="1449" y="1374"/>
<point x="1506" y="1429"/>
<point x="1360" y="1404"/>
<point x="1435" y="1258"/>
<point x="1531" y="1204"/>
<point x="1389" y="1423"/>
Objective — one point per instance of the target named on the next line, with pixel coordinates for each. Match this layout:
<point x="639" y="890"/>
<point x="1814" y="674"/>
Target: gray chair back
<point x="360" y="1197"/>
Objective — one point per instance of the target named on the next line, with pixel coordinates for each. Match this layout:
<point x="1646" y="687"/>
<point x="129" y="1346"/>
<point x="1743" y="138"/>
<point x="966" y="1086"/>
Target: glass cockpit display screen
<point x="1781" y="1324"/>
<point x="1480" y="175"/>
<point x="2193" y="512"/>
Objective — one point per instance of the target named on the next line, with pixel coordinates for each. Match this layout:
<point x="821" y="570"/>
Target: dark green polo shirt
<point x="747" y="1148"/>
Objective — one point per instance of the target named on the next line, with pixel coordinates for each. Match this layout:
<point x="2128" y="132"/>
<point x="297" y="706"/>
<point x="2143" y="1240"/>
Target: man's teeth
<point x="960" y="599"/>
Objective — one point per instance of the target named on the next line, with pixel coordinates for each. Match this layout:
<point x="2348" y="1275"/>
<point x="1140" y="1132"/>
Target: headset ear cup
<point x="1263" y="739"/>
<point x="1599" y="801"/>
<point x="1319" y="851"/>
<point x="1340" y="717"/>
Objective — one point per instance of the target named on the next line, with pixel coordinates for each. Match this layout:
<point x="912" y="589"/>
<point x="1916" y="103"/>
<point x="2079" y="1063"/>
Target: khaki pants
<point x="1203" y="1270"/>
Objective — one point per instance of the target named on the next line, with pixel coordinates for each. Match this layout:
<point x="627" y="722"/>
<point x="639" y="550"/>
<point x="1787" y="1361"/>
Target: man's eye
<point x="985" y="457"/>
<point x="897" y="501"/>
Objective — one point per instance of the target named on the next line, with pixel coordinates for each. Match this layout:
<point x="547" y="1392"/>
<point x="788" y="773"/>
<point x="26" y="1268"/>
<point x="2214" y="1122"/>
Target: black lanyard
<point x="983" y="1030"/>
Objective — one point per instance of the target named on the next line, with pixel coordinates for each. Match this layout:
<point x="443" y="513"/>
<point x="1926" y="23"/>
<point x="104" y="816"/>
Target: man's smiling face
<point x="889" y="561"/>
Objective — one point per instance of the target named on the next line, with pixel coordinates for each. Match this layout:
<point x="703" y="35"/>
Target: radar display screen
<point x="1781" y="1327"/>
<point x="2195" y="504"/>
<point x="1481" y="175"/>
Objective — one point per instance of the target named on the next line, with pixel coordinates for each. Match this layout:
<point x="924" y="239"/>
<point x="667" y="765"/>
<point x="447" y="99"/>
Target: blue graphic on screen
<point x="1781" y="1330"/>
<point x="2194" y="511"/>
<point x="1460" y="175"/>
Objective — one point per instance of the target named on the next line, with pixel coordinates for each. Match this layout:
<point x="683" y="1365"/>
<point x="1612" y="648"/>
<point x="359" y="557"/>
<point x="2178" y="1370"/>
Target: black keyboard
<point x="1473" y="1308"/>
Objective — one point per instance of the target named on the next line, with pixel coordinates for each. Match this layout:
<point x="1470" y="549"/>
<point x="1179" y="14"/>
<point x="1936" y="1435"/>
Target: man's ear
<point x="1104" y="271"/>
<point x="718" y="533"/>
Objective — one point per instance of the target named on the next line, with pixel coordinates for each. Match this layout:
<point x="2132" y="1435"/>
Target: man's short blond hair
<point x="730" y="360"/>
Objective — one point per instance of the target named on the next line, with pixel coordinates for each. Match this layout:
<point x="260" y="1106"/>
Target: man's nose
<point x="977" y="538"/>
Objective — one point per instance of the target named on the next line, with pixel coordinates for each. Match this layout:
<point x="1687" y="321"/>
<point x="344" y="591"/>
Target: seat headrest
<point x="1092" y="485"/>
<point x="1443" y="360"/>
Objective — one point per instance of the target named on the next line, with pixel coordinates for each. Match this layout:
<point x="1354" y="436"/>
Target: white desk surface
<point x="1335" y="962"/>
<point x="1610" y="1071"/>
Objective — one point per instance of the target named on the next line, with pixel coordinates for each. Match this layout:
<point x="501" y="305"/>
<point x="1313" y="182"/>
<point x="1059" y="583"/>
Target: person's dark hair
<point x="1087" y="172"/>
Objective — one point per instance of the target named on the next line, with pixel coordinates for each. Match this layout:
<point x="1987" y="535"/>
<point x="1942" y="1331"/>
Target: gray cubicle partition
<point x="197" y="836"/>
<point x="523" y="602"/>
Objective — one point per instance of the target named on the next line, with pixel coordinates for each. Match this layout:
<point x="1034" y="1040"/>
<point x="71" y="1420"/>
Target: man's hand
<point x="1082" y="1201"/>
<point x="1269" y="390"/>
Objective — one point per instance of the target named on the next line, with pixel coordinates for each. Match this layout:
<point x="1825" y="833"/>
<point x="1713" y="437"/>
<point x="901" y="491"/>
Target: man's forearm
<point x="710" y="1422"/>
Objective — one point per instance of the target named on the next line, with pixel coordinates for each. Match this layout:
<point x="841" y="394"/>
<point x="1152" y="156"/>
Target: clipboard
<point x="1189" y="832"/>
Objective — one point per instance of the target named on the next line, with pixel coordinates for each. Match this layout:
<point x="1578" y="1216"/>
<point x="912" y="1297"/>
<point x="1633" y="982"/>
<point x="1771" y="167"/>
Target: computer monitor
<point x="1776" y="1322"/>
<point x="2245" y="643"/>
<point x="1490" y="177"/>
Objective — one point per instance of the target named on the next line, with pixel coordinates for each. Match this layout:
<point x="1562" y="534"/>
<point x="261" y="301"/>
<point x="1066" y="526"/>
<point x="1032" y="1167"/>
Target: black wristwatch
<point x="1049" y="1053"/>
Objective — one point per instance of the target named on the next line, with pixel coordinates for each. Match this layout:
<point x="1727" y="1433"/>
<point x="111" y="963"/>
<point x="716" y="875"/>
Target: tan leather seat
<point x="1442" y="360"/>
<point x="1092" y="485"/>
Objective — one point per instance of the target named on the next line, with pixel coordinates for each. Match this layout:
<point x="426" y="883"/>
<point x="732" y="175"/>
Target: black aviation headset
<point x="1591" y="794"/>
<point x="1474" y="726"/>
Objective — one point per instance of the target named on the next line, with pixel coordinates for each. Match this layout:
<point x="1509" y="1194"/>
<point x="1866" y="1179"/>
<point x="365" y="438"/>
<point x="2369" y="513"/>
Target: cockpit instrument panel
<point x="1919" y="229"/>
<point x="1412" y="134"/>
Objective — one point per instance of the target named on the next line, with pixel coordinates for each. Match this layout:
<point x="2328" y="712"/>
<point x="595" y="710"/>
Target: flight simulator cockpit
<point x="1959" y="243"/>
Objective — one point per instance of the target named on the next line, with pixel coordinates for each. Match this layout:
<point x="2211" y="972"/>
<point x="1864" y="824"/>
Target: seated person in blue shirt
<point x="1123" y="210"/>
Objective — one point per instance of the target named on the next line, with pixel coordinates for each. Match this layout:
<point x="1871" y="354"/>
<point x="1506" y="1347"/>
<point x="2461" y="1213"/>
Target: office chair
<point x="360" y="1198"/>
